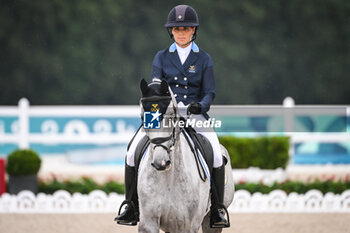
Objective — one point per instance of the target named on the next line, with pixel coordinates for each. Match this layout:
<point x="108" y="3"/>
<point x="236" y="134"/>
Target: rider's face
<point x="183" y="35"/>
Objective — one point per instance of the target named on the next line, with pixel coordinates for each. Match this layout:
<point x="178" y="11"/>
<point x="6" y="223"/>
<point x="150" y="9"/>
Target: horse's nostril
<point x="163" y="166"/>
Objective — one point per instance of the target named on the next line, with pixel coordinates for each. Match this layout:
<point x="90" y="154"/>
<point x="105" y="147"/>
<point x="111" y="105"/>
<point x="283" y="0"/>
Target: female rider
<point x="190" y="75"/>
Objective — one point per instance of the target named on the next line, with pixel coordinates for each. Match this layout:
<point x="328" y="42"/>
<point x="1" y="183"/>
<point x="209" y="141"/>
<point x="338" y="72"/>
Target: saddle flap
<point x="140" y="150"/>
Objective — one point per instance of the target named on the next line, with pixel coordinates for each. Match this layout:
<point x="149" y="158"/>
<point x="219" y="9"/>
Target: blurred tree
<point x="88" y="52"/>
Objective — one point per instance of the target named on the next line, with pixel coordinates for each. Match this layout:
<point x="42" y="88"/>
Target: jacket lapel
<point x="191" y="59"/>
<point x="176" y="61"/>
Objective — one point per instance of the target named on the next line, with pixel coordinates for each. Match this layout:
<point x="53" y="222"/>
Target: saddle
<point x="200" y="143"/>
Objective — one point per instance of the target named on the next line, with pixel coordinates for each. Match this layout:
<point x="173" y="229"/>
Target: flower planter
<point x="19" y="183"/>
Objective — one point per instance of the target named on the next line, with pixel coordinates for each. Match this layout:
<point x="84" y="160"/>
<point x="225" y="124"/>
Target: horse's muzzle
<point x="164" y="165"/>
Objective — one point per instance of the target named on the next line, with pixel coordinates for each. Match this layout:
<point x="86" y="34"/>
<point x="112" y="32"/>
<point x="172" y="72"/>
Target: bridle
<point x="173" y="137"/>
<point x="159" y="140"/>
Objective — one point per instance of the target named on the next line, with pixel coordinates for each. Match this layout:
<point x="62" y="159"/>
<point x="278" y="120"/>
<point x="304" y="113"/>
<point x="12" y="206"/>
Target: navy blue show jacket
<point x="191" y="82"/>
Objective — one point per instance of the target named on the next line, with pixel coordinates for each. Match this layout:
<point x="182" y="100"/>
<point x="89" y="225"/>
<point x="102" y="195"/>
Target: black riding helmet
<point x="182" y="16"/>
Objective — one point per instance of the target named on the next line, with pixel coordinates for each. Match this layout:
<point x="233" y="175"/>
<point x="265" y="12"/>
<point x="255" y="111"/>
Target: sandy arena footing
<point x="242" y="223"/>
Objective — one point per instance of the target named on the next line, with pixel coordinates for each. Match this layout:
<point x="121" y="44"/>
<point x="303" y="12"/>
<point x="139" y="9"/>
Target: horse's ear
<point x="164" y="87"/>
<point x="143" y="86"/>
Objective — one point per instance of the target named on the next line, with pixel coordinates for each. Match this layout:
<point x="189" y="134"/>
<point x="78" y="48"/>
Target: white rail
<point x="99" y="202"/>
<point x="23" y="137"/>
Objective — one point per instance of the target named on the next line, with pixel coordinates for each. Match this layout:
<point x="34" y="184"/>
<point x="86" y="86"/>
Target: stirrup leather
<point x="212" y="225"/>
<point x="130" y="204"/>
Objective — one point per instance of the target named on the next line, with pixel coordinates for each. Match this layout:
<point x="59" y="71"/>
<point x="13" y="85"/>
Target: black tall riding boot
<point x="218" y="210"/>
<point x="130" y="216"/>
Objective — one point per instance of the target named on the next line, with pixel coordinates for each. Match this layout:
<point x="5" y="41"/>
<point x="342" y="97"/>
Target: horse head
<point x="159" y="101"/>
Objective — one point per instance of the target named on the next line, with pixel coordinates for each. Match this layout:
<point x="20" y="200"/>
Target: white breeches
<point x="208" y="133"/>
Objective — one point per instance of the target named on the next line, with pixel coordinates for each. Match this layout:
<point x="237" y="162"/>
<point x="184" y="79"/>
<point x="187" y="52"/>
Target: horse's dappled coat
<point x="174" y="200"/>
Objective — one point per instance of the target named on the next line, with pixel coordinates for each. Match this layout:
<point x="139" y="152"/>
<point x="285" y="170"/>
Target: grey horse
<point x="172" y="196"/>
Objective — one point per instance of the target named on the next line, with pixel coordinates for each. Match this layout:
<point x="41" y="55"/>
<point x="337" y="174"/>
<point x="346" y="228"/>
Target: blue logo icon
<point x="151" y="120"/>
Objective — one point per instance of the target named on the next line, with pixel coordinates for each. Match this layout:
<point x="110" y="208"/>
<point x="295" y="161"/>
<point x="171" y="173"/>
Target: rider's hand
<point x="194" y="108"/>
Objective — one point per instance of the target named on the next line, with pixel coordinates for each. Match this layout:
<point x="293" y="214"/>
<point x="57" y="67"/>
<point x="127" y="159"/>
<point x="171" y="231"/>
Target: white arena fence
<point x="74" y="132"/>
<point x="99" y="202"/>
<point x="77" y="132"/>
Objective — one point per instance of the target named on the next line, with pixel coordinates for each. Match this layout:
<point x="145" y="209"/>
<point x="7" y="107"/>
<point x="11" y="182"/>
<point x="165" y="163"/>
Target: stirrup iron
<point x="228" y="224"/>
<point x="130" y="204"/>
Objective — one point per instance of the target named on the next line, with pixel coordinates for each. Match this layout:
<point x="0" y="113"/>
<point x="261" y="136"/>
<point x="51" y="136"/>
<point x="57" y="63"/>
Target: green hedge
<point x="87" y="185"/>
<point x="262" y="152"/>
<point x="84" y="185"/>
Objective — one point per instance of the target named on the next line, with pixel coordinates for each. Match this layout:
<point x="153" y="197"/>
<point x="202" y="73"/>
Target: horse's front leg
<point x="148" y="225"/>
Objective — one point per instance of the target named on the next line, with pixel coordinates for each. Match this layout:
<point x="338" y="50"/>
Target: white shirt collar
<point x="194" y="47"/>
<point x="185" y="50"/>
